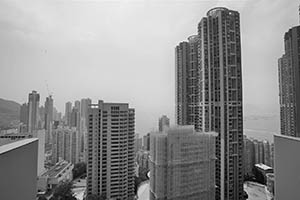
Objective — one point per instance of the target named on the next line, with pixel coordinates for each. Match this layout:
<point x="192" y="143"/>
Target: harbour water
<point x="261" y="127"/>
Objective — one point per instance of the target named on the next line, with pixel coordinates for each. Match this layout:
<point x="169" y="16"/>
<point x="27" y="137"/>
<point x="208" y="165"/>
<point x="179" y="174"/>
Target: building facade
<point x="18" y="161"/>
<point x="48" y="118"/>
<point x="33" y="111"/>
<point x="182" y="164"/>
<point x="286" y="167"/>
<point x="146" y="142"/>
<point x="68" y="111"/>
<point x="110" y="152"/>
<point x="187" y="79"/>
<point x="249" y="157"/>
<point x="24" y="114"/>
<point x="65" y="145"/>
<point x="289" y="84"/>
<point x="209" y="93"/>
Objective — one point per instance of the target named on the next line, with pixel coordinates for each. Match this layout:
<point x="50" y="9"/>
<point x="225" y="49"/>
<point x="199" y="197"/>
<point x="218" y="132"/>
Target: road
<point x="143" y="191"/>
<point x="79" y="188"/>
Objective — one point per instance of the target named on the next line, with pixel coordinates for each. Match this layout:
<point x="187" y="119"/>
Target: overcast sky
<point x="123" y="51"/>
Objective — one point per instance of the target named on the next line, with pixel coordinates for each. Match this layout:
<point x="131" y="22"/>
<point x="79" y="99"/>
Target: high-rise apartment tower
<point x="33" y="111"/>
<point x="48" y="118"/>
<point x="110" y="152"/>
<point x="209" y="93"/>
<point x="289" y="84"/>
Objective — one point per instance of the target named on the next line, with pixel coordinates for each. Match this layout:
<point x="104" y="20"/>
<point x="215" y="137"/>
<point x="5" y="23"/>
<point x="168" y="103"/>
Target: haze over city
<point x="123" y="51"/>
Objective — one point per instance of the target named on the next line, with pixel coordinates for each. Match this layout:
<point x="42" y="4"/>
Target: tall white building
<point x="110" y="155"/>
<point x="182" y="164"/>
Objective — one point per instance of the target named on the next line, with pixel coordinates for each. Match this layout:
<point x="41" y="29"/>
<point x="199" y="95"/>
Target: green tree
<point x="64" y="191"/>
<point x="42" y="198"/>
<point x="79" y="169"/>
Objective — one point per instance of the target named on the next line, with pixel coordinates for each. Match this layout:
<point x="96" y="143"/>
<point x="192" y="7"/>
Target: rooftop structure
<point x="58" y="169"/>
<point x="263" y="167"/>
<point x="62" y="171"/>
<point x="18" y="164"/>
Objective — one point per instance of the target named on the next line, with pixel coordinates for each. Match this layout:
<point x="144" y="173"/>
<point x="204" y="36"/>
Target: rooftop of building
<point x="287" y="137"/>
<point x="183" y="130"/>
<point x="263" y="166"/>
<point x="212" y="11"/>
<point x="14" y="145"/>
<point x="270" y="175"/>
<point x="57" y="169"/>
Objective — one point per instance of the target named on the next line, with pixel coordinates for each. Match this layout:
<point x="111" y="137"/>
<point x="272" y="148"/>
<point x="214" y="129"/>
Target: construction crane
<point x="47" y="87"/>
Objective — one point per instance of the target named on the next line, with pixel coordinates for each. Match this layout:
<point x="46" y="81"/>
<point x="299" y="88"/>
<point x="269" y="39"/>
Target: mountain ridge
<point x="9" y="112"/>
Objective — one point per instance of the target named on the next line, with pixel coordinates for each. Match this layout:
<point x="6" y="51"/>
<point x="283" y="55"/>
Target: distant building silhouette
<point x="33" y="111"/>
<point x="163" y="122"/>
<point x="146" y="142"/>
<point x="48" y="118"/>
<point x="24" y="113"/>
<point x="68" y="111"/>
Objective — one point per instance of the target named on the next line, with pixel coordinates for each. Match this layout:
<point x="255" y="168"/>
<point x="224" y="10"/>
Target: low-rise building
<point x="62" y="171"/>
<point x="261" y="171"/>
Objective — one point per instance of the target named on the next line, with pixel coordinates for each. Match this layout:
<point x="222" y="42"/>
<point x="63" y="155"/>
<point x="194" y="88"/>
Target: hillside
<point x="9" y="112"/>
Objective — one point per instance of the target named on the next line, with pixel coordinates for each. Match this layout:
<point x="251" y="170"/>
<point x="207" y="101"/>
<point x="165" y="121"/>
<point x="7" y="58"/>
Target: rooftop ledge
<point x="14" y="145"/>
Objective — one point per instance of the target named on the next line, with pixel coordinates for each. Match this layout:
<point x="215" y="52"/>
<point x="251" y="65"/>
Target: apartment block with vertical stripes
<point x="110" y="150"/>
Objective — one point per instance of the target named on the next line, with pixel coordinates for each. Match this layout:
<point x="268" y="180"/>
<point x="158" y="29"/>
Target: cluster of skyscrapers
<point x="205" y="155"/>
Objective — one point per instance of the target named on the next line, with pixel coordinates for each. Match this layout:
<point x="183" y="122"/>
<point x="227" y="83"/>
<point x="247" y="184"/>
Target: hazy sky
<point x="123" y="51"/>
